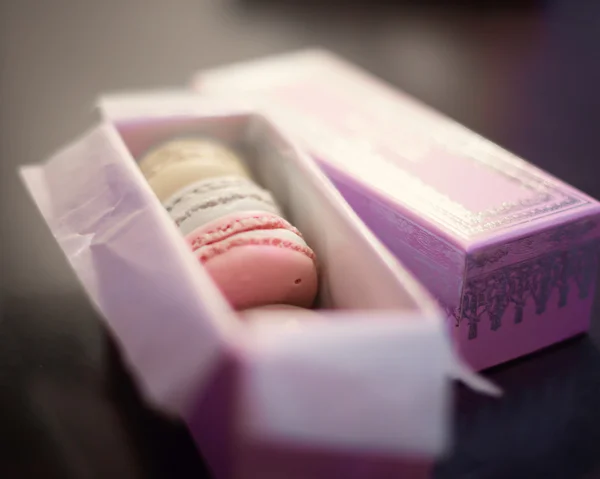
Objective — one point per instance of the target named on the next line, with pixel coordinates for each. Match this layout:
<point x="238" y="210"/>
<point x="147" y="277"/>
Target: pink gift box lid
<point x="508" y="250"/>
<point x="470" y="190"/>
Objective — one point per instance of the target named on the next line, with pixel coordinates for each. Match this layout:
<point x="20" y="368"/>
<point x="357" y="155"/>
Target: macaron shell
<point x="179" y="175"/>
<point x="257" y="275"/>
<point x="277" y="307"/>
<point x="235" y="223"/>
<point x="280" y="314"/>
<point x="183" y="149"/>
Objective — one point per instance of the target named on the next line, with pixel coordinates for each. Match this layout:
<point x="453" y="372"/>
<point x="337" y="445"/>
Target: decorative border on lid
<point x="533" y="280"/>
<point x="419" y="125"/>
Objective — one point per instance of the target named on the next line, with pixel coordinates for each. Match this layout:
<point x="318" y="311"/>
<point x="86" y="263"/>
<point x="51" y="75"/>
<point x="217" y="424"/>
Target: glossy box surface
<point x="510" y="252"/>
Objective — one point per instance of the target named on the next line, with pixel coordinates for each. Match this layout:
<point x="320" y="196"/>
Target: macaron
<point x="178" y="163"/>
<point x="207" y="200"/>
<point x="256" y="259"/>
<point x="290" y="316"/>
<point x="276" y="308"/>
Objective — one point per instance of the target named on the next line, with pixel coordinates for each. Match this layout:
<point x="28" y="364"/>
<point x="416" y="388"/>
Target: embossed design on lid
<point x="333" y="139"/>
<point x="533" y="280"/>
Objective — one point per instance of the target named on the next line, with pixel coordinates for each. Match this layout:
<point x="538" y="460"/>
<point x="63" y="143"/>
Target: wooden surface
<point x="526" y="78"/>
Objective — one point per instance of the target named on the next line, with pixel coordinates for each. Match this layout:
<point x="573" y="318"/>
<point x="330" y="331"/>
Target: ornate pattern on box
<point x="533" y="245"/>
<point x="452" y="312"/>
<point x="532" y="280"/>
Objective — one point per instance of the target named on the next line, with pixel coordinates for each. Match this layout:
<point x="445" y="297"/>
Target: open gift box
<point x="360" y="390"/>
<point x="510" y="252"/>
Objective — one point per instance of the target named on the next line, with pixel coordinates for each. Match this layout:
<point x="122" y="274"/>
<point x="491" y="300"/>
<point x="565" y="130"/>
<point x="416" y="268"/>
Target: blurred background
<point x="523" y="73"/>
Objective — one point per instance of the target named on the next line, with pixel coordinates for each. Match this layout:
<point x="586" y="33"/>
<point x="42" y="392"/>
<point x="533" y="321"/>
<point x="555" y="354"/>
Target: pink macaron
<point x="257" y="258"/>
<point x="280" y="314"/>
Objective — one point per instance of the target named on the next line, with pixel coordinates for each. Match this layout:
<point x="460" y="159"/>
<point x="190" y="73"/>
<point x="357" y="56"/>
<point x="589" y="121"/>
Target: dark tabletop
<point x="526" y="77"/>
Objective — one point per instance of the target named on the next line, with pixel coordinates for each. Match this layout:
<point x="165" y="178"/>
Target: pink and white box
<point x="362" y="391"/>
<point x="510" y="252"/>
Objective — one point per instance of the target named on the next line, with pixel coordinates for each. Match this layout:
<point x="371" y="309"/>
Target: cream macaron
<point x="178" y="163"/>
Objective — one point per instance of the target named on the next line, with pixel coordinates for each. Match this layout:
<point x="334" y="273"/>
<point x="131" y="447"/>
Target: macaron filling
<point x="207" y="186"/>
<point x="256" y="198"/>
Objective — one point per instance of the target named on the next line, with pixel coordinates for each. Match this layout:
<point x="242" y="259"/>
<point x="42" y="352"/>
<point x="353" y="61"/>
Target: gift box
<point x="510" y="252"/>
<point x="361" y="389"/>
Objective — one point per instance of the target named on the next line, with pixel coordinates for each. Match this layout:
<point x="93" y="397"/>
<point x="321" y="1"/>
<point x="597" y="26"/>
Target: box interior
<point x="356" y="272"/>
